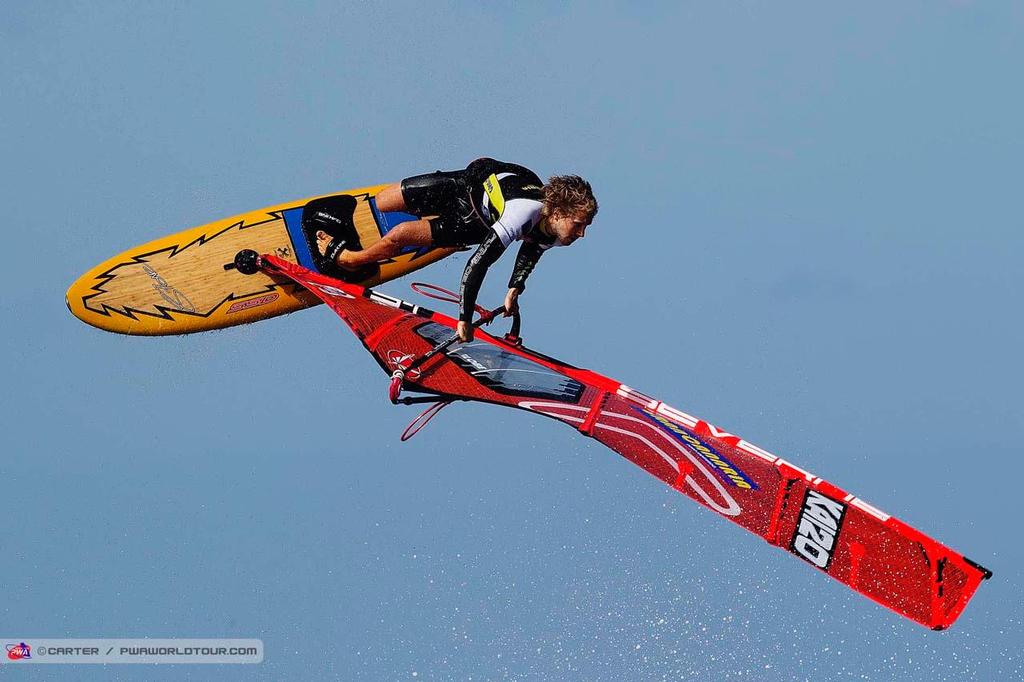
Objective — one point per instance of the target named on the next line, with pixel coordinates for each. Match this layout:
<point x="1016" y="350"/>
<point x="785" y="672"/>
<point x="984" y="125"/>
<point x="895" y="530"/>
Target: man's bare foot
<point x="323" y="242"/>
<point x="343" y="259"/>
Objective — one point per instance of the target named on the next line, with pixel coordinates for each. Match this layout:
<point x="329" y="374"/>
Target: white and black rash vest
<point x="509" y="198"/>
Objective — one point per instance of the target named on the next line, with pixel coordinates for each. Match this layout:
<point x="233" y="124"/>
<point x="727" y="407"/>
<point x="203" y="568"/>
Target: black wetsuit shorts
<point x="447" y="195"/>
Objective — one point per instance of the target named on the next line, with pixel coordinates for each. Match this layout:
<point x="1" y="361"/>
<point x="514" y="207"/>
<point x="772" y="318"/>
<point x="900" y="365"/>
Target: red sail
<point x="875" y="554"/>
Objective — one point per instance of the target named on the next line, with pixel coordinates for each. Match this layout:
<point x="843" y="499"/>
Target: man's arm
<point x="473" y="276"/>
<point x="529" y="253"/>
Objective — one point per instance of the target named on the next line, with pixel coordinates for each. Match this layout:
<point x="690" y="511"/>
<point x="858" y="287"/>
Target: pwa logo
<point x="816" y="532"/>
<point x="17" y="652"/>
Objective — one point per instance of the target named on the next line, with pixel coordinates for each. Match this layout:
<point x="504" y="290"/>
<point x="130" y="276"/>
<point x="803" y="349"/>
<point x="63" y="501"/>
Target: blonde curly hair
<point x="569" y="195"/>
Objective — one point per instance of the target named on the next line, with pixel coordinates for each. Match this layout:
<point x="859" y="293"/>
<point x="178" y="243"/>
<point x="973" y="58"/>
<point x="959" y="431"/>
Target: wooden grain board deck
<point x="178" y="284"/>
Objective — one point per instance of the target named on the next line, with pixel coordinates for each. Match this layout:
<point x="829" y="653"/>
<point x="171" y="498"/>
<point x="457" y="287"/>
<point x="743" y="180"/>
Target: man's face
<point x="568" y="228"/>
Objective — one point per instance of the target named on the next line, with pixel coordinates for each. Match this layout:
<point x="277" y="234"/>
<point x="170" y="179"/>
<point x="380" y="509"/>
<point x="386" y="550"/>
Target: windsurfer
<point x="490" y="203"/>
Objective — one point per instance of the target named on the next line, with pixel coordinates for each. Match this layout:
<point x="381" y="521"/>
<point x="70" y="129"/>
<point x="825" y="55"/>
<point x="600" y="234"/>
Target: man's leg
<point x="390" y="199"/>
<point x="411" y="233"/>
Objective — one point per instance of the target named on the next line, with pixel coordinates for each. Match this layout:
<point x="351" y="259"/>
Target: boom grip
<point x="517" y="321"/>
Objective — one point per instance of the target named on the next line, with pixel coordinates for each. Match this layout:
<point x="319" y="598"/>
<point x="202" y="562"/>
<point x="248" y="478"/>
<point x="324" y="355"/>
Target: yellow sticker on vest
<point x="493" y="190"/>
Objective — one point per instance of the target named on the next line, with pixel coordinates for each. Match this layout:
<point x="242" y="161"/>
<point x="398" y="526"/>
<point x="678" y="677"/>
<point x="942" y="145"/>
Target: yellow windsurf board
<point x="185" y="282"/>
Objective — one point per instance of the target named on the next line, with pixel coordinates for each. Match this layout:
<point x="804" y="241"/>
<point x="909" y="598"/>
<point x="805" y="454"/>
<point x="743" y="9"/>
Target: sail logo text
<point x="816" y="532"/>
<point x="722" y="466"/>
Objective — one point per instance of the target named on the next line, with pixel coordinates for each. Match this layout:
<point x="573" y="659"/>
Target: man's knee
<point x="411" y="233"/>
<point x="390" y="199"/>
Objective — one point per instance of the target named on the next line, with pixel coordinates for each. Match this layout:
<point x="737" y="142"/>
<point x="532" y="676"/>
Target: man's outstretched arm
<point x="473" y="277"/>
<point x="529" y="253"/>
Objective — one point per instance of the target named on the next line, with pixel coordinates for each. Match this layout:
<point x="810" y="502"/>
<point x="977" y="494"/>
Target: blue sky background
<point x="809" y="235"/>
